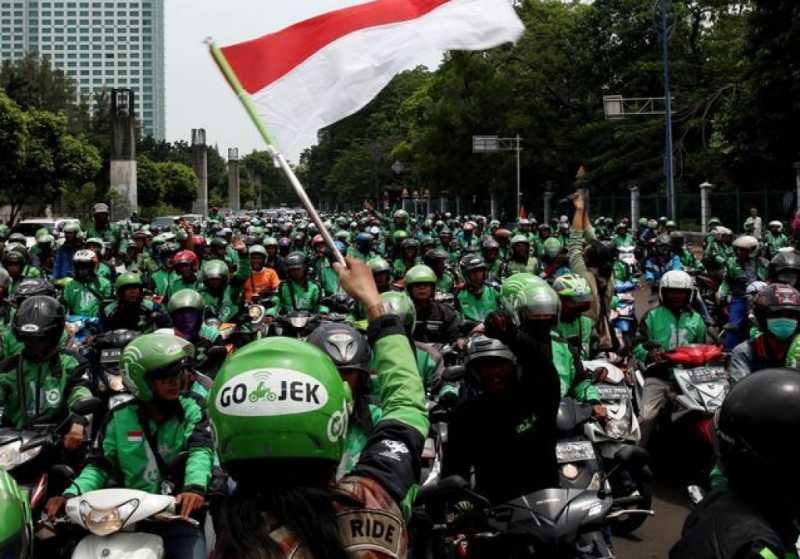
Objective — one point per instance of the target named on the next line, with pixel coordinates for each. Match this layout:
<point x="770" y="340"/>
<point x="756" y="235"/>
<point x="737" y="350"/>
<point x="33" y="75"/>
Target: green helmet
<point x="258" y="250"/>
<point x="270" y="242"/>
<point x="343" y="236"/>
<point x="520" y="290"/>
<point x="279" y="398"/>
<point x="186" y="299"/>
<point x="98" y="241"/>
<point x="536" y="299"/>
<point x="552" y="247"/>
<point x="128" y="279"/>
<point x="16" y="529"/>
<point x="573" y="287"/>
<point x="518" y="238"/>
<point x="642" y="222"/>
<point x="399" y="236"/>
<point x="419" y="274"/>
<point x="714" y="221"/>
<point x="671" y="223"/>
<point x="400" y="304"/>
<point x="215" y="269"/>
<point x="148" y="355"/>
<point x="378" y="265"/>
<point x="5" y="231"/>
<point x="401" y="214"/>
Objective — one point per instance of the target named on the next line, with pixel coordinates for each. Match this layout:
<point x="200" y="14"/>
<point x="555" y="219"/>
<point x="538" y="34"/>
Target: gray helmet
<point x="347" y="348"/>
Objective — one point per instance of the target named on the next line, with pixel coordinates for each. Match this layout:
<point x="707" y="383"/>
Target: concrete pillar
<point x="635" y="212"/>
<point x="200" y="165"/>
<point x="548" y="204"/>
<point x="705" y="206"/>
<point x="122" y="171"/>
<point x="492" y="204"/>
<point x="233" y="179"/>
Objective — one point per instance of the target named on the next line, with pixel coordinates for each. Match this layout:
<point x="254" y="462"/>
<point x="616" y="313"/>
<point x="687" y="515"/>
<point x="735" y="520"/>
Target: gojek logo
<point x="271" y="392"/>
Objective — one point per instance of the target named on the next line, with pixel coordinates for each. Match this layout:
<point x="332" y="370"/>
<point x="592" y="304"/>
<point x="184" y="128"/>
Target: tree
<point x="180" y="184"/>
<point x="149" y="182"/>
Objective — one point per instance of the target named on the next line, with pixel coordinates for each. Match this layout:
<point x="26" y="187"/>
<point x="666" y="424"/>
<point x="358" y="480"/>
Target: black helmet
<point x="17" y="254"/>
<point x="754" y="427"/>
<point x="677" y="239"/>
<point x="410" y="243"/>
<point x="775" y="298"/>
<point x="30" y="287"/>
<point x="470" y="263"/>
<point x="489" y="244"/>
<point x="347" y="347"/>
<point x="785" y="267"/>
<point x="296" y="260"/>
<point x="39" y="317"/>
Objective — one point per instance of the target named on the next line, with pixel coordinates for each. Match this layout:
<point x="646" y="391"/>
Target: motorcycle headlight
<point x="298" y="322"/>
<point x="618" y="428"/>
<point x="11" y="457"/>
<point x="256" y="313"/>
<point x="102" y="522"/>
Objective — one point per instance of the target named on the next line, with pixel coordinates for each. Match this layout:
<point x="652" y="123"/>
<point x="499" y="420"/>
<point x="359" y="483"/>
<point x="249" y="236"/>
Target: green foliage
<point x="150" y="182"/>
<point x="179" y="183"/>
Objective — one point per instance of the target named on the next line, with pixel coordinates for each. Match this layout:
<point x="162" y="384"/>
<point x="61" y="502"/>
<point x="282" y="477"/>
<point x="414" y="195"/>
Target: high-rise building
<point x="101" y="45"/>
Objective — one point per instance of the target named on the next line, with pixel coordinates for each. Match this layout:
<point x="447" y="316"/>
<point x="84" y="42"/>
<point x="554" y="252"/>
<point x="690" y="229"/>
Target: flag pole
<point x="250" y="109"/>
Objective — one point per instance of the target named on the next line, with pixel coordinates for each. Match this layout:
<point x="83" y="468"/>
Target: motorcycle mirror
<point x="63" y="472"/>
<point x="87" y="406"/>
<point x="454" y="373"/>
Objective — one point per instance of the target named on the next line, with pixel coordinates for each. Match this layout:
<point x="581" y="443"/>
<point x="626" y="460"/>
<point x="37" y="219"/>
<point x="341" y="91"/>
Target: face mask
<point x="782" y="328"/>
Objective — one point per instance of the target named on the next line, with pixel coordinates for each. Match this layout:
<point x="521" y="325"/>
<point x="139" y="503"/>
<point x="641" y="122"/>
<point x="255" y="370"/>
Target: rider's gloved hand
<point x="54" y="506"/>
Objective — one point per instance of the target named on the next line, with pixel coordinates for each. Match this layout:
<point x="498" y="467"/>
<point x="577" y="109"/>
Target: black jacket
<point x="439" y="324"/>
<point x="725" y="526"/>
<point x="510" y="441"/>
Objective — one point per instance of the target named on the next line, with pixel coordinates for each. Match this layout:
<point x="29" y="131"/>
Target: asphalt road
<point x="670" y="503"/>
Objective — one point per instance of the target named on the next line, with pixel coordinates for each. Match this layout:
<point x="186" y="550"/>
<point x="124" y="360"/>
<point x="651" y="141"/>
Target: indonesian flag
<point x="321" y="70"/>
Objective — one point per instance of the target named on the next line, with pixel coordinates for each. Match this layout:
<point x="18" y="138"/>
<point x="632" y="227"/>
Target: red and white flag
<point x="318" y="71"/>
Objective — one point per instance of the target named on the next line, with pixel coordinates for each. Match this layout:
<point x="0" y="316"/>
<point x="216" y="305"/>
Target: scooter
<point x="623" y="320"/>
<point x="111" y="515"/>
<point x="616" y="439"/>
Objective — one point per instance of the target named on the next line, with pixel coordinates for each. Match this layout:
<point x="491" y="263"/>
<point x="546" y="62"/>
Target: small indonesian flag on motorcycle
<point x="135" y="436"/>
<point x="318" y="71"/>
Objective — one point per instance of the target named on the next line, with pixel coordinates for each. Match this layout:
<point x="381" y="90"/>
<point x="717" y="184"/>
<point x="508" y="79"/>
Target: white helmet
<point x="720" y="231"/>
<point x="777" y="224"/>
<point x="747" y="242"/>
<point x="675" y="279"/>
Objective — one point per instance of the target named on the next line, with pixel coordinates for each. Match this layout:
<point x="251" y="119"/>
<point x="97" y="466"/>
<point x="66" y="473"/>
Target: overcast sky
<point x="197" y="94"/>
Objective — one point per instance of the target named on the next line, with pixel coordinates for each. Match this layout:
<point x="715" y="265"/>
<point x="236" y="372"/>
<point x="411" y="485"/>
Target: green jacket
<point x="12" y="346"/>
<point x="623" y="240"/>
<point x="662" y="326"/>
<point x="776" y="242"/>
<point x="578" y="334"/>
<point x="85" y="299"/>
<point x="445" y="283"/>
<point x="476" y="308"/>
<point x="27" y="272"/>
<point x="621" y="272"/>
<point x="124" y="454"/>
<point x="326" y="275"/>
<point x="48" y="389"/>
<point x="514" y="267"/>
<point x="570" y="373"/>
<point x="225" y="308"/>
<point x="355" y="442"/>
<point x="295" y="297"/>
<point x="105" y="271"/>
<point x="793" y="355"/>
<point x="177" y="284"/>
<point x="162" y="280"/>
<point x="109" y="235"/>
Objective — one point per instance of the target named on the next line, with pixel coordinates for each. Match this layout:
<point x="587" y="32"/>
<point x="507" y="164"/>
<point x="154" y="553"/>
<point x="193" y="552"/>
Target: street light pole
<point x="668" y="165"/>
<point x="519" y="175"/>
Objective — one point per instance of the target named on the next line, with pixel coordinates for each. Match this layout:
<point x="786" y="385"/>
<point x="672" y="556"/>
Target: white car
<point x="29" y="227"/>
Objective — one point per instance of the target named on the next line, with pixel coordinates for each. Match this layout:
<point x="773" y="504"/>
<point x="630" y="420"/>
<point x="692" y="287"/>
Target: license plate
<point x="701" y="375"/>
<point x="613" y="392"/>
<point x="576" y="451"/>
<point x="110" y="355"/>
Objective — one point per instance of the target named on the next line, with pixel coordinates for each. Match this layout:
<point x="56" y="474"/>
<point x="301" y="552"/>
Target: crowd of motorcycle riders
<point x="287" y="402"/>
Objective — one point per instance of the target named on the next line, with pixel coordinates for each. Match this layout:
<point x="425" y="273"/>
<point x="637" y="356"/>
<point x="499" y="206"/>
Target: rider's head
<point x="186" y="311"/>
<point x="520" y="247"/>
<point x="38" y="324"/>
<point x="84" y="265"/>
<point x="420" y="282"/>
<point x="14" y="260"/>
<point x="71" y="232"/>
<point x="381" y="273"/>
<point x="271" y="246"/>
<point x="185" y="263"/>
<point x="473" y="270"/>
<point x="5" y="284"/>
<point x="746" y="247"/>
<point x="100" y="215"/>
<point x="349" y="351"/>
<point x="258" y="257"/>
<point x="664" y="246"/>
<point x="491" y="363"/>
<point x="785" y="267"/>
<point x="777" y="311"/>
<point x="129" y="288"/>
<point x="154" y="367"/>
<point x="296" y="266"/>
<point x="759" y="415"/>
<point x="575" y="295"/>
<point x="490" y="249"/>
<point x="400" y="219"/>
<point x="601" y="256"/>
<point x="533" y="304"/>
<point x="675" y="290"/>
<point x="410" y="249"/>
<point x="215" y="276"/>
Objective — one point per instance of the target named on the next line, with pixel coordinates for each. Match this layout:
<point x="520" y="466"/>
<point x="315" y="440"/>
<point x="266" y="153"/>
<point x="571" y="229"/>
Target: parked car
<point x="164" y="222"/>
<point x="29" y="227"/>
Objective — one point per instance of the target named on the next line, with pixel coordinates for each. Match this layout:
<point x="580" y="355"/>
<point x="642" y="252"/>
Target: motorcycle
<point x="110" y="516"/>
<point x="297" y="324"/>
<point x="557" y="522"/>
<point x="110" y="386"/>
<point x="623" y="320"/>
<point x="616" y="440"/>
<point x="627" y="255"/>
<point x="33" y="456"/>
